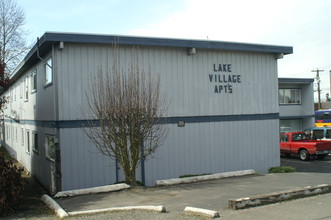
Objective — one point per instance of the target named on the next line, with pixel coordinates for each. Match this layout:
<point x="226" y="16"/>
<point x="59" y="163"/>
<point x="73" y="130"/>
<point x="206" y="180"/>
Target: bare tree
<point x="12" y="35"/>
<point x="129" y="107"/>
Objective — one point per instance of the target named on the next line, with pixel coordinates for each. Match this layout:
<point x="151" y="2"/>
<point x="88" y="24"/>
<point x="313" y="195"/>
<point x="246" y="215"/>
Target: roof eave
<point x="49" y="38"/>
<point x="296" y="80"/>
<point x="166" y="42"/>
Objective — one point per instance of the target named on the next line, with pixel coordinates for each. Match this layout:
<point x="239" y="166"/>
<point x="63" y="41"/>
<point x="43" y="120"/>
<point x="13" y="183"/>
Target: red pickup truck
<point x="300" y="144"/>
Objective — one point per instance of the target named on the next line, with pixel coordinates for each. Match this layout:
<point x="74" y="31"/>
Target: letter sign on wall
<point x="223" y="79"/>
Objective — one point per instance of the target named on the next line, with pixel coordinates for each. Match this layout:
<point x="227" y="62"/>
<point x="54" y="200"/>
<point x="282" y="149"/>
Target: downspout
<point x="58" y="173"/>
<point x="142" y="163"/>
<point x="3" y="128"/>
<point x="116" y="170"/>
<point x="39" y="57"/>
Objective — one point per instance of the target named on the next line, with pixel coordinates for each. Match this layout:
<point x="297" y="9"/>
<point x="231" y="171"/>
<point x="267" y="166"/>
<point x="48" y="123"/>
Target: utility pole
<point x="318" y="80"/>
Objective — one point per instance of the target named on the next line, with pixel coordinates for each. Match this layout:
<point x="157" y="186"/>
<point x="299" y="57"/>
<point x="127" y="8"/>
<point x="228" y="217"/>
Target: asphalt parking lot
<point x="213" y="195"/>
<point x="310" y="166"/>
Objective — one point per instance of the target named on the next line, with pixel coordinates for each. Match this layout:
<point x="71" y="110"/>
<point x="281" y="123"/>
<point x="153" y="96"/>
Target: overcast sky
<point x="303" y="24"/>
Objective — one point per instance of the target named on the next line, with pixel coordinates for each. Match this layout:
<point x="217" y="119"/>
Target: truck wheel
<point x="304" y="155"/>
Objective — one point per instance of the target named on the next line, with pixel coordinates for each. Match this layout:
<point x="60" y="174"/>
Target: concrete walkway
<point x="210" y="195"/>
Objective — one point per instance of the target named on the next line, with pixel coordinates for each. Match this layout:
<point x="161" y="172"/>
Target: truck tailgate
<point x="320" y="146"/>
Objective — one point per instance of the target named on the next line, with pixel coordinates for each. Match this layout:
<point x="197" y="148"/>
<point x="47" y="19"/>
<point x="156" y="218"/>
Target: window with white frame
<point x="14" y="93"/>
<point x="50" y="147"/>
<point x="13" y="132"/>
<point x="290" y="96"/>
<point x="34" y="81"/>
<point x="35" y="146"/>
<point x="22" y="136"/>
<point x="48" y="72"/>
<point x="2" y="133"/>
<point x="26" y="88"/>
<point x="8" y="132"/>
<point x="11" y="96"/>
<point x="21" y="89"/>
<point x="27" y="141"/>
<point x="1" y="137"/>
<point x="16" y="135"/>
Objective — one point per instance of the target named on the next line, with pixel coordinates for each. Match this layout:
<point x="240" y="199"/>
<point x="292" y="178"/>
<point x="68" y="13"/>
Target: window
<point x="284" y="138"/>
<point x="22" y="136"/>
<point x="48" y="72"/>
<point x="1" y="137"/>
<point x="291" y="125"/>
<point x="50" y="147"/>
<point x="322" y="116"/>
<point x="289" y="96"/>
<point x="299" y="137"/>
<point x="8" y="132"/>
<point x="15" y="94"/>
<point x="318" y="134"/>
<point x="34" y="81"/>
<point x="16" y="136"/>
<point x="21" y="90"/>
<point x="13" y="133"/>
<point x="26" y="88"/>
<point x="328" y="134"/>
<point x="28" y="141"/>
<point x="11" y="96"/>
<point x="35" y="146"/>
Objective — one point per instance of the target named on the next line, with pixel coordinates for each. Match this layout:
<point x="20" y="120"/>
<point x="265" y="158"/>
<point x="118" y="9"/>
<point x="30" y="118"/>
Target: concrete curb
<point x="126" y="208"/>
<point x="203" y="178"/>
<point x="204" y="212"/>
<point x="54" y="205"/>
<point x="275" y="197"/>
<point x="93" y="190"/>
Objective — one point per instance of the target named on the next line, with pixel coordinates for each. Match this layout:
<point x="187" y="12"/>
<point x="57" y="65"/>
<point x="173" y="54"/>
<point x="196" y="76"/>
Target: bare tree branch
<point x="12" y="35"/>
<point x="128" y="105"/>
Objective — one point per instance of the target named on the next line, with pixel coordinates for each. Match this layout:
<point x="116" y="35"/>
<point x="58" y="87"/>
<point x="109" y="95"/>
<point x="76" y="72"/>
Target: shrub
<point x="11" y="185"/>
<point x="282" y="169"/>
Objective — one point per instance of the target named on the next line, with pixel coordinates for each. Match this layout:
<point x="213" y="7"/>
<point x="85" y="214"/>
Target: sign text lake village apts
<point x="224" y="81"/>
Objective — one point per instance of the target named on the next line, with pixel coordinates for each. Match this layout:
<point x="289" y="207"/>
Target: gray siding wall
<point x="304" y="110"/>
<point x="184" y="79"/>
<point x="38" y="107"/>
<point x="307" y="101"/>
<point x="200" y="148"/>
<point x="82" y="165"/>
<point x="196" y="148"/>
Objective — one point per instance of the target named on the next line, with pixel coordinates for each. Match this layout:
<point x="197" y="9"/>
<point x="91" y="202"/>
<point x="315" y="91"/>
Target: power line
<point x="306" y="71"/>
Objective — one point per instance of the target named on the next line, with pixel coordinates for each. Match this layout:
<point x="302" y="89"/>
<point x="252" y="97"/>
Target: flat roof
<point x="166" y="42"/>
<point x="296" y="80"/>
<point x="49" y="38"/>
